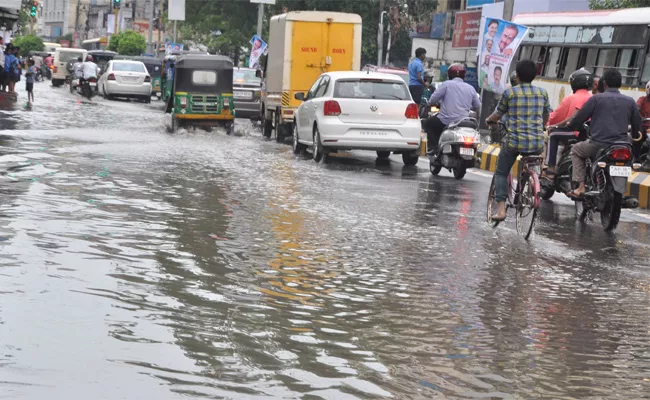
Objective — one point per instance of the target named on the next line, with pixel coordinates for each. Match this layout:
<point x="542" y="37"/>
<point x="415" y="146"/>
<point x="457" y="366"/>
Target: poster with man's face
<point x="497" y="47"/>
<point x="258" y="47"/>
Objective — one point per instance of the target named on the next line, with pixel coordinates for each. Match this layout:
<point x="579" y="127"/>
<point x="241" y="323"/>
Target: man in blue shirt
<point x="457" y="98"/>
<point x="416" y="75"/>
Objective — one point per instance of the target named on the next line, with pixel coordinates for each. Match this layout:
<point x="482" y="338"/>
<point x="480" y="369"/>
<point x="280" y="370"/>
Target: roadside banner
<point x="176" y="10"/>
<point x="497" y="46"/>
<point x="258" y="48"/>
<point x="171" y="47"/>
<point x="466" y="29"/>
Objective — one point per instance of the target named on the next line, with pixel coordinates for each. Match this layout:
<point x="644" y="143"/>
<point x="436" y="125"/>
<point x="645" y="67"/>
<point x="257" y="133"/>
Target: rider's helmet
<point x="89" y="58"/>
<point x="647" y="89"/>
<point x="581" y="79"/>
<point x="513" y="79"/>
<point x="428" y="76"/>
<point x="456" y="71"/>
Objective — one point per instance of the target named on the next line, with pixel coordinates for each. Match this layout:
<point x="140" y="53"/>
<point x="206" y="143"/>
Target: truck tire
<point x="267" y="128"/>
<point x="280" y="128"/>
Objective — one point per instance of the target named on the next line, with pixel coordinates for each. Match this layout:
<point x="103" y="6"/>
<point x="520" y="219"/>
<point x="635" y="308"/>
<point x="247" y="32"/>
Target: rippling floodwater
<point x="139" y="264"/>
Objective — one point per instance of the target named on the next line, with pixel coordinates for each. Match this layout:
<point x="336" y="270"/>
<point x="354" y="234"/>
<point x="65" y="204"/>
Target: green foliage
<point x="28" y="43"/>
<point x="226" y="29"/>
<point x="614" y="4"/>
<point x="67" y="36"/>
<point x="128" y="43"/>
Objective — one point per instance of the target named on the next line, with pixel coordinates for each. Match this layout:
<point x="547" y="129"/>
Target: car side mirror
<point x="299" y="96"/>
<point x="258" y="73"/>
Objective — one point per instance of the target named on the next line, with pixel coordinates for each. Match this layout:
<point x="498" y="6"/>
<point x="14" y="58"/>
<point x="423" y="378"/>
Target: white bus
<point x="563" y="42"/>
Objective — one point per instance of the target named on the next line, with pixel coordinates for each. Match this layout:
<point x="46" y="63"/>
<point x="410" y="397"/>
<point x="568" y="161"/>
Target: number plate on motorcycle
<point x="620" y="171"/>
<point x="465" y="151"/>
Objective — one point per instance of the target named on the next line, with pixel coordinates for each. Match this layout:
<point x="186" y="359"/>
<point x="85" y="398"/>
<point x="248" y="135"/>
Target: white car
<point x="358" y="111"/>
<point x="125" y="78"/>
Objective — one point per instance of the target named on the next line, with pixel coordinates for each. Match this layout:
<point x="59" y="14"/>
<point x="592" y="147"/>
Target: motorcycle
<point x="563" y="170"/>
<point x="606" y="183"/>
<point x="87" y="89"/>
<point x="456" y="148"/>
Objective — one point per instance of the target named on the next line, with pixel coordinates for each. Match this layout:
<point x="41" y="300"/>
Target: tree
<point x="28" y="43"/>
<point x="128" y="43"/>
<point x="67" y="36"/>
<point x="614" y="4"/>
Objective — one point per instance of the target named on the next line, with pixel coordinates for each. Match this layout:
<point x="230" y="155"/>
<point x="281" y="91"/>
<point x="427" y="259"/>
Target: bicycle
<point x="523" y="194"/>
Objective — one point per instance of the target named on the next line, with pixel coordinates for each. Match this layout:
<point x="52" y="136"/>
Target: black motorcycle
<point x="606" y="183"/>
<point x="562" y="183"/>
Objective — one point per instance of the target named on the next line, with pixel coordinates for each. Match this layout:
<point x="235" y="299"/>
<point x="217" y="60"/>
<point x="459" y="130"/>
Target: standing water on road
<point x="140" y="264"/>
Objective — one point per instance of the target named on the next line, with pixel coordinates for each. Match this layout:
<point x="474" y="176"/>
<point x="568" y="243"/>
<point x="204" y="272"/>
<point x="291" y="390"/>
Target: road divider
<point x="638" y="185"/>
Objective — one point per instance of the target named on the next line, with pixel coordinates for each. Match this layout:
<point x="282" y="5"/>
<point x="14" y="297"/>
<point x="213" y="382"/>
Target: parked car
<point x="246" y="93"/>
<point x="402" y="73"/>
<point x="358" y="111"/>
<point x="125" y="78"/>
<point x="64" y="58"/>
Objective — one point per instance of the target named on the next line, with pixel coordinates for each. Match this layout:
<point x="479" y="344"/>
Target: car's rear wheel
<point x="410" y="158"/>
<point x="383" y="154"/>
<point x="318" y="151"/>
<point x="298" y="148"/>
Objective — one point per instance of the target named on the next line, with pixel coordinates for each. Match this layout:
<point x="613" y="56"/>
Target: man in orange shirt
<point x="581" y="82"/>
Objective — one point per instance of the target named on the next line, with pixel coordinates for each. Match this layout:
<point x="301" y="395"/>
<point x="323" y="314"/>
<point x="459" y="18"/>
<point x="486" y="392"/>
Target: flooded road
<point x="140" y="264"/>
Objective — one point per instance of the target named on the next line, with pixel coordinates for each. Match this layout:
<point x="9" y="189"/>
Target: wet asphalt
<point x="136" y="263"/>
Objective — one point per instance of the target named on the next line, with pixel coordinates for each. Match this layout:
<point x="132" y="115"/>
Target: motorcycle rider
<point x="457" y="98"/>
<point x="610" y="113"/>
<point x="528" y="109"/>
<point x="77" y="70"/>
<point x="89" y="70"/>
<point x="581" y="83"/>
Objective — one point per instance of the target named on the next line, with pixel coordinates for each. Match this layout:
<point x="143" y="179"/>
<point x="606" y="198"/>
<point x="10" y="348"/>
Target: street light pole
<point x="380" y="38"/>
<point x="508" y="9"/>
<point x="260" y="18"/>
<point x="150" y="38"/>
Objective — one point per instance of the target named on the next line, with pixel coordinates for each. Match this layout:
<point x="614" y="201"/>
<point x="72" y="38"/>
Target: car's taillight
<point x="331" y="108"/>
<point x="226" y="103"/>
<point x="111" y="77"/>
<point x="412" y="111"/>
<point x="94" y="80"/>
<point x="621" y="154"/>
<point x="147" y="79"/>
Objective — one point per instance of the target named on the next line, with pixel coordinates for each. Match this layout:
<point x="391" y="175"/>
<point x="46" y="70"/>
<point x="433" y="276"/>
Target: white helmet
<point x="647" y="89"/>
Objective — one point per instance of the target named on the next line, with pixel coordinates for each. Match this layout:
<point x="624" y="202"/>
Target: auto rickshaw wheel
<point x="230" y="129"/>
<point x="174" y="123"/>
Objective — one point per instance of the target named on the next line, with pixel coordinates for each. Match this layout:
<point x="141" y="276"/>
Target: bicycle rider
<point x="528" y="109"/>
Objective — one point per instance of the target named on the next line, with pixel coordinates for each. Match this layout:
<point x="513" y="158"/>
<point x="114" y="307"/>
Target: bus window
<point x="627" y="66"/>
<point x="561" y="68"/>
<point x="526" y="52"/>
<point x="539" y="56"/>
<point x="606" y="59"/>
<point x="552" y="62"/>
<point x="572" y="61"/>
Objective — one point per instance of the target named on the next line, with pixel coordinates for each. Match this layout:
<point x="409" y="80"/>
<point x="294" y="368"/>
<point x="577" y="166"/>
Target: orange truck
<point x="302" y="46"/>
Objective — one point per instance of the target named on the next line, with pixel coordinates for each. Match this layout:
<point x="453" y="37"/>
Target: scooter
<point x="87" y="89"/>
<point x="456" y="148"/>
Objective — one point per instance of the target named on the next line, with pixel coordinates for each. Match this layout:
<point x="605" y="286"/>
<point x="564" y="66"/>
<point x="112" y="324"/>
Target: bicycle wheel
<point x="491" y="205"/>
<point x="527" y="205"/>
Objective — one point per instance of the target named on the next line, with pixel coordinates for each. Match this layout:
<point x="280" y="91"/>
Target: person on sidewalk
<point x="416" y="75"/>
<point x="528" y="109"/>
<point x="610" y="113"/>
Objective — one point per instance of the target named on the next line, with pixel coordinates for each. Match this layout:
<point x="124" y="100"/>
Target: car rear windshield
<point x="66" y="56"/>
<point x="129" y="67"/>
<point x="246" y="76"/>
<point x="371" y="89"/>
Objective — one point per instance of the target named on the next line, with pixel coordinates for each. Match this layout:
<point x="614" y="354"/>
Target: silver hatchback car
<point x="246" y="93"/>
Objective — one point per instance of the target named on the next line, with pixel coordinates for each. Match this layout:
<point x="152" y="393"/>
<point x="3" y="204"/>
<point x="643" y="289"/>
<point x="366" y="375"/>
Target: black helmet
<point x="513" y="79"/>
<point x="581" y="79"/>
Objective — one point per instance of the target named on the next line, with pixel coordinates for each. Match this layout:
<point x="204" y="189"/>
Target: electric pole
<point x="76" y="26"/>
<point x="150" y="38"/>
<point x="508" y="8"/>
<point x="260" y="19"/>
<point x="380" y="32"/>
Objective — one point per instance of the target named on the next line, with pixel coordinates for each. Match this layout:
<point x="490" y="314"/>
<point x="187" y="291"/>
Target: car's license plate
<point x="242" y="95"/>
<point x="620" y="171"/>
<point x="373" y="133"/>
<point x="131" y="78"/>
<point x="466" y="151"/>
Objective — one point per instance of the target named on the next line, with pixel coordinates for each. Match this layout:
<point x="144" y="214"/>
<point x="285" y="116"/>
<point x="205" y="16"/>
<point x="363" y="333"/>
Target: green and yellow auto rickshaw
<point x="201" y="91"/>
